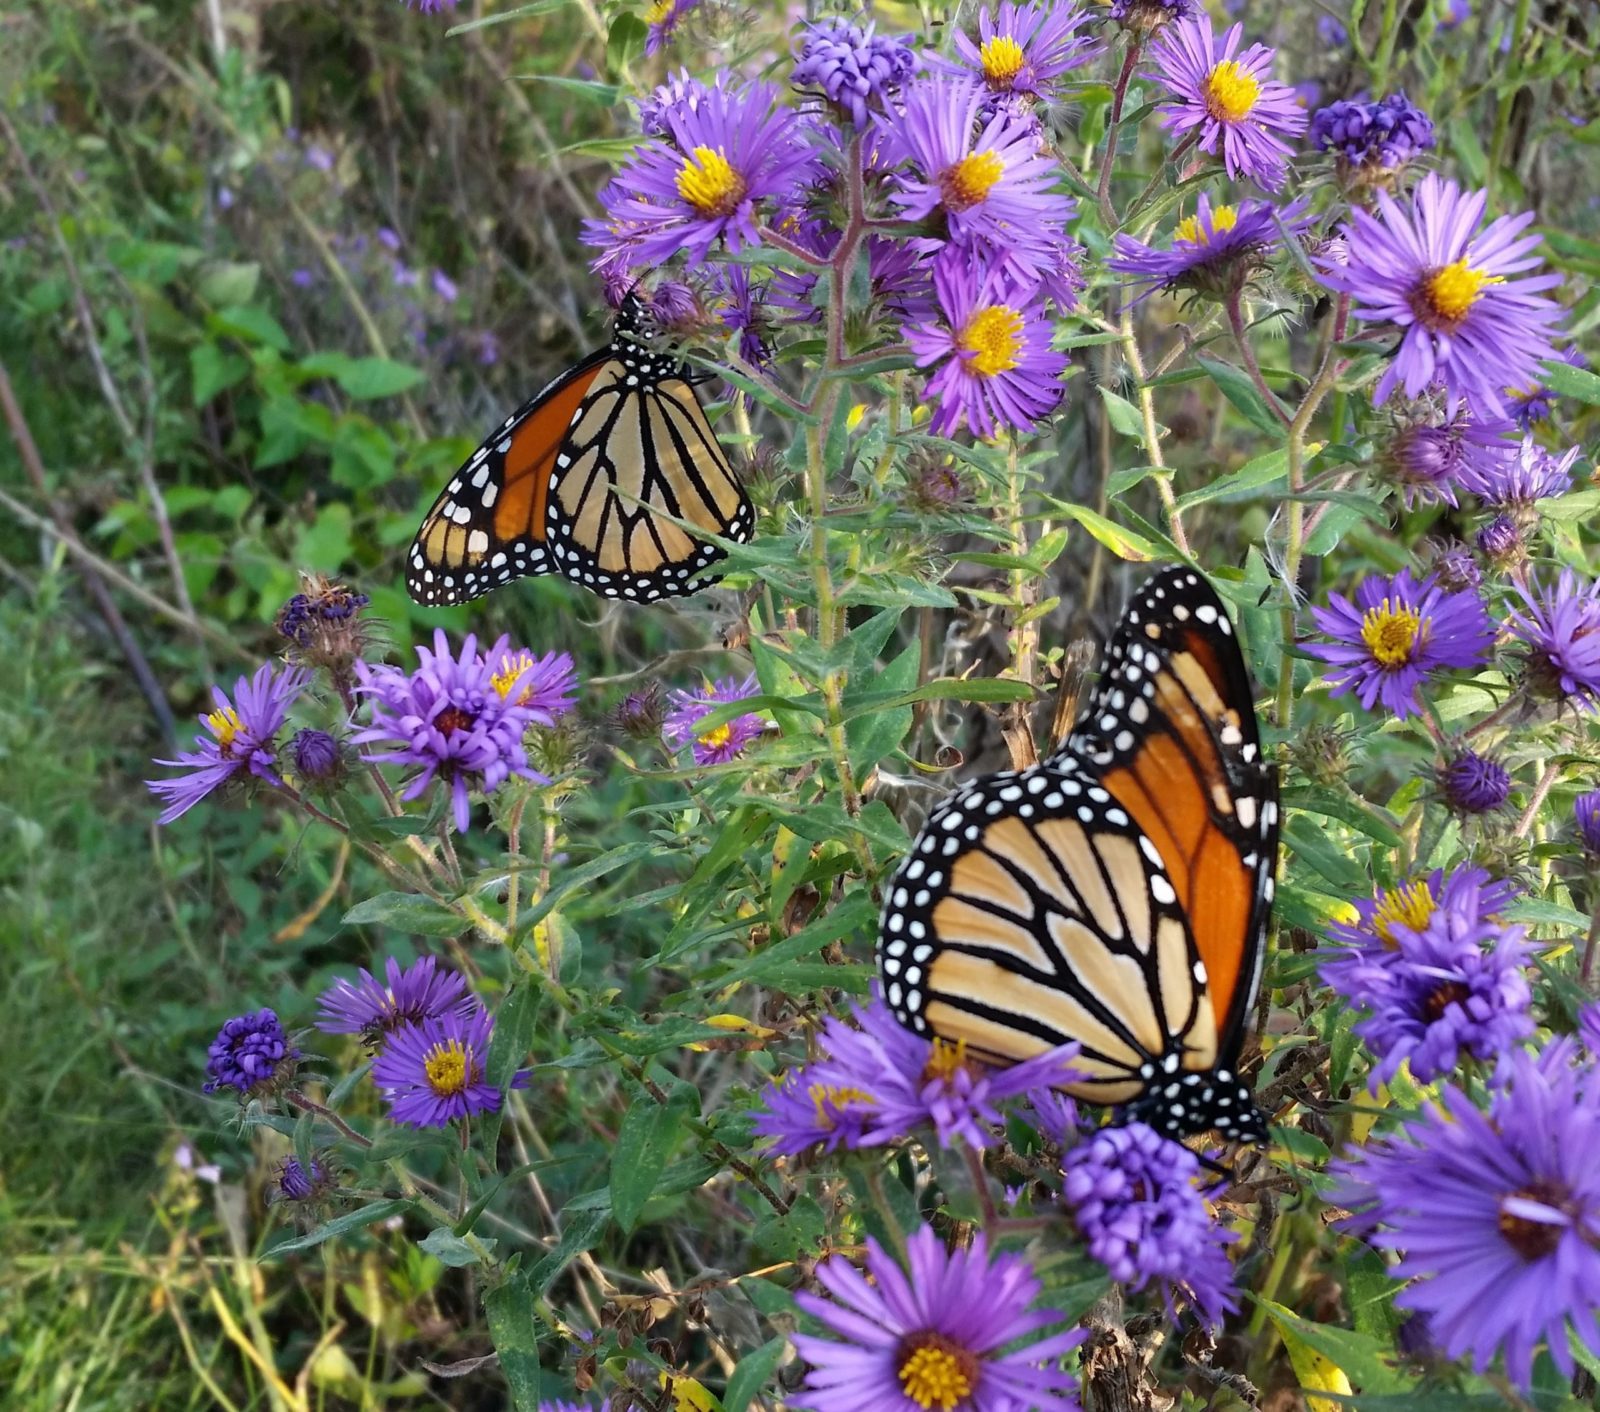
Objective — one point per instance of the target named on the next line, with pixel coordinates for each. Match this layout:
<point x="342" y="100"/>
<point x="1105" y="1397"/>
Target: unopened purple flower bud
<point x="1586" y="810"/>
<point x="1474" y="784"/>
<point x="316" y="756"/>
<point x="1501" y="541"/>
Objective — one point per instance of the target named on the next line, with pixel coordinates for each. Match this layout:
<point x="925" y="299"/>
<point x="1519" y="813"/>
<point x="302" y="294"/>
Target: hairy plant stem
<point x="1241" y="339"/>
<point x="1540" y="790"/>
<point x="1119" y="96"/>
<point x="1022" y="638"/>
<point x="1152" y="432"/>
<point x="310" y="1105"/>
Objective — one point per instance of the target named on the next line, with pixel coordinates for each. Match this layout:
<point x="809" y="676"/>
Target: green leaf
<point x="363" y="378"/>
<point x="449" y="1249"/>
<point x="1239" y="390"/>
<point x="1572" y="382"/>
<point x="871" y="737"/>
<point x="855" y="915"/>
<point x="1124" y="543"/>
<point x="214" y="371"/>
<point x="1252" y="476"/>
<point x="514" y="1330"/>
<point x="407" y="912"/>
<point x="1346" y="810"/>
<point x="752" y="1374"/>
<point x="644" y="1142"/>
<point x="251" y="325"/>
<point x="1358" y="1356"/>
<point x="224" y="282"/>
<point x="970" y="689"/>
<point x="349" y="1221"/>
<point x="625" y="42"/>
<point x="572" y="879"/>
<point x="605" y="94"/>
<point x="1123" y="415"/>
<point x="522" y="12"/>
<point x="325" y="543"/>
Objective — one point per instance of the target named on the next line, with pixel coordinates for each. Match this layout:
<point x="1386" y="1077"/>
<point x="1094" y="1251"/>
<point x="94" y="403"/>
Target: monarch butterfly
<point x="573" y="481"/>
<point x="1116" y="895"/>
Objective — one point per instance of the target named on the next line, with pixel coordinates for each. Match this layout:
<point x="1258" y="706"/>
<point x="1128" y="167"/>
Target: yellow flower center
<point x="1230" y="92"/>
<point x="1191" y="230"/>
<point x="657" y="13"/>
<point x="1448" y="294"/>
<point x="1410" y="905"/>
<point x="224" y="723"/>
<point x="708" y="182"/>
<point x="513" y="666"/>
<point x="1391" y="634"/>
<point x="994" y="337"/>
<point x="830" y="1098"/>
<point x="937" y="1372"/>
<point x="945" y="1061"/>
<point x="446" y="1068"/>
<point x="1002" y="60"/>
<point x="971" y="180"/>
<point x="717" y="736"/>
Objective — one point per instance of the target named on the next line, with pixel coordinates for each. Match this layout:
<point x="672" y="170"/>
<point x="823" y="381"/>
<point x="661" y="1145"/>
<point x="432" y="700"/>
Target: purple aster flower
<point x="990" y="191"/>
<point x="302" y="278"/>
<point x="1456" y="14"/>
<point x="1395" y="634"/>
<point x="1428" y="460"/>
<point x="444" y="286"/>
<point x="1372" y="140"/>
<point x="1056" y="1116"/>
<point x="1024" y="48"/>
<point x="682" y="93"/>
<point x="1470" y="892"/>
<point x="960" y="1333"/>
<point x="316" y="757"/>
<point x="855" y="70"/>
<point x="1229" y="98"/>
<point x="373" y="1009"/>
<point x="990" y="350"/>
<point x="1519" y="478"/>
<point x="675" y="307"/>
<point x="1496" y="1214"/>
<point x="250" y="1053"/>
<point x="1561" y="630"/>
<point x="433" y="7"/>
<point x="1534" y="403"/>
<point x="1470" y="319"/>
<point x="1331" y="31"/>
<point x="1216" y="251"/>
<point x="1473" y="783"/>
<point x="241" y="741"/>
<point x="1134" y="1196"/>
<point x="433" y="1073"/>
<point x="743" y="311"/>
<point x="457" y="718"/>
<point x="715" y="745"/>
<point x="1144" y="17"/>
<point x="700" y="186"/>
<point x="662" y="19"/>
<point x="877" y="1082"/>
<point x="295" y="1182"/>
<point x="1454" y="986"/>
<point x="546" y="687"/>
<point x="1586" y="810"/>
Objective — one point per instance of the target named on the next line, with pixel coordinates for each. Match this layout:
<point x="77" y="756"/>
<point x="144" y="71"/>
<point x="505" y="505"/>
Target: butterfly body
<point x="586" y="479"/>
<point x="1117" y="894"/>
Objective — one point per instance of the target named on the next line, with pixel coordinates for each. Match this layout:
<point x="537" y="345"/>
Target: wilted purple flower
<point x="716" y="745"/>
<point x="960" y="1333"/>
<point x="433" y="1073"/>
<point x="1561" y="630"/>
<point x="241" y="740"/>
<point x="1216" y="251"/>
<point x="1534" y="403"/>
<point x="373" y="1009"/>
<point x="316" y="756"/>
<point x="1454" y="986"/>
<point x="1496" y="1214"/>
<point x="992" y="191"/>
<point x="990" y="351"/>
<point x="877" y="1082"/>
<point x="322" y="624"/>
<point x="1517" y="480"/>
<point x="641" y="713"/>
<point x="1395" y="634"/>
<point x="1470" y="319"/>
<point x="250" y="1053"/>
<point x="675" y="306"/>
<point x="1456" y="569"/>
<point x="1024" y="48"/>
<point x="661" y="20"/>
<point x="454" y="717"/>
<point x="700" y="186"/>
<point x="1372" y="140"/>
<point x="1586" y="810"/>
<point x="855" y="69"/>
<point x="1229" y="98"/>
<point x="1134" y="1197"/>
<point x="1473" y="783"/>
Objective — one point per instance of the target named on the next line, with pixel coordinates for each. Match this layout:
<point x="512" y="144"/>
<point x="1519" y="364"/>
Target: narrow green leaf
<point x="1124" y="543"/>
<point x="1254" y="475"/>
<point x="522" y="12"/>
<point x="644" y="1142"/>
<point x="752" y="1374"/>
<point x="572" y="879"/>
<point x="1124" y="417"/>
<point x="450" y="1249"/>
<point x="407" y="912"/>
<point x="514" y="1330"/>
<point x="1239" y="390"/>
<point x="1572" y="382"/>
<point x="339" y="1225"/>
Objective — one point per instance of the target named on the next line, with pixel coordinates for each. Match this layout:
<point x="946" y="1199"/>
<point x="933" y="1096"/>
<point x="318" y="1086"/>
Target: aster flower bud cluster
<point x="1372" y="141"/>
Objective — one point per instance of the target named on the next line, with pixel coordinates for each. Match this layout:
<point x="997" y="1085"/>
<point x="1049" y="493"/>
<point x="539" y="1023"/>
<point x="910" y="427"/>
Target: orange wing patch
<point x="530" y="461"/>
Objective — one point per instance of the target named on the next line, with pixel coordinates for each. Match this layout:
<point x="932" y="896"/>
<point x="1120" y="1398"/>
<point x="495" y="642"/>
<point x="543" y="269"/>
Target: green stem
<point x="1152" y="434"/>
<point x="1508" y="96"/>
<point x="1119" y="96"/>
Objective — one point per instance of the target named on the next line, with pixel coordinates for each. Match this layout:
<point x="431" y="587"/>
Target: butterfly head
<point x="1189" y="1103"/>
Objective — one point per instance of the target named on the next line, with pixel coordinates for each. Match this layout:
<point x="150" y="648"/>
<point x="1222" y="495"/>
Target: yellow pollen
<point x="1392" y="634"/>
<point x="1002" y="60"/>
<point x="717" y="736"/>
<point x="1230" y="92"/>
<point x="224" y="723"/>
<point x="1191" y="230"/>
<point x="446" y="1068"/>
<point x="944" y="1062"/>
<point x="994" y="337"/>
<point x="657" y="13"/>
<point x="833" y="1097"/>
<point x="937" y="1376"/>
<point x="1410" y="906"/>
<point x="708" y="182"/>
<point x="1451" y="290"/>
<point x="971" y="179"/>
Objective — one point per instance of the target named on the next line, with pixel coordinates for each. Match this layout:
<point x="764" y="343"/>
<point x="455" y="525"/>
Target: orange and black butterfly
<point x="580" y="481"/>
<point x="1116" y="895"/>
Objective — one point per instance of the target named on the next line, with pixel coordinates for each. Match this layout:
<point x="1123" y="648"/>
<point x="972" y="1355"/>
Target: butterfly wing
<point x="581" y="480"/>
<point x="1171" y="734"/>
